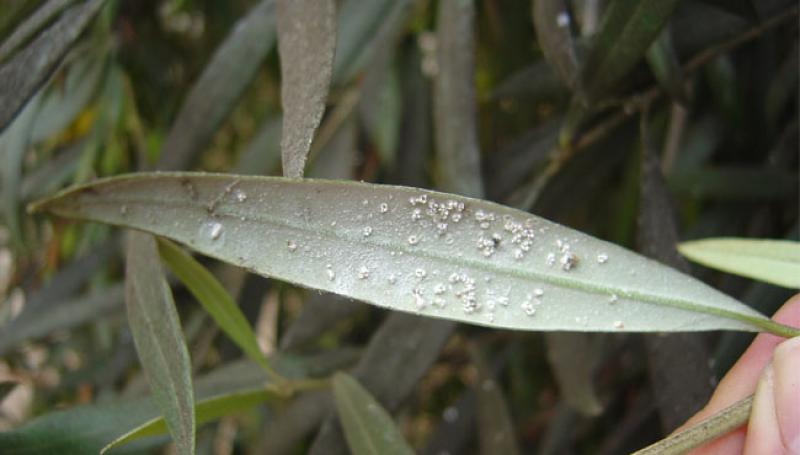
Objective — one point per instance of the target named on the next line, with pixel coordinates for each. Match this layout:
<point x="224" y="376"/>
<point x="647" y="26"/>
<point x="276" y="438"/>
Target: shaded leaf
<point x="537" y="82"/>
<point x="87" y="429"/>
<point x="29" y="68"/>
<point x="369" y="429"/>
<point x="745" y="183"/>
<point x="573" y="357"/>
<point x="398" y="355"/>
<point x="32" y="325"/>
<point x="319" y="313"/>
<point x="552" y="20"/>
<point x="363" y="29"/>
<point x="214" y="298"/>
<point x="627" y="30"/>
<point x="496" y="429"/>
<point x="743" y="8"/>
<point x="159" y="342"/>
<point x="213" y="96"/>
<point x="678" y="362"/>
<point x="772" y="261"/>
<point x="61" y="104"/>
<point x="664" y="63"/>
<point x="380" y="108"/>
<point x="205" y="411"/>
<point x="306" y="41"/>
<point x="32" y="24"/>
<point x="14" y="143"/>
<point x="379" y="244"/>
<point x="457" y="148"/>
<point x="262" y="155"/>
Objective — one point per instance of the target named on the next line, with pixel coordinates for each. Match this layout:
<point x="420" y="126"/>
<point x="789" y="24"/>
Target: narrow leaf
<point x="573" y="357"/>
<point x="63" y="315"/>
<point x="214" y="298"/>
<point x="413" y="250"/>
<point x="213" y="96"/>
<point x="362" y="32"/>
<point x="627" y="30"/>
<point x="553" y="32"/>
<point x="772" y="261"/>
<point x="495" y="426"/>
<point x="29" y="68"/>
<point x="678" y="362"/>
<point x="14" y="143"/>
<point x="87" y="429"/>
<point x="369" y="429"/>
<point x="454" y="100"/>
<point x="32" y="24"/>
<point x="159" y="342"/>
<point x="205" y="411"/>
<point x="306" y="41"/>
<point x="664" y="63"/>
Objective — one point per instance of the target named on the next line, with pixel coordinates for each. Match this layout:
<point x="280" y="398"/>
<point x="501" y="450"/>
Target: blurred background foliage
<point x="671" y="122"/>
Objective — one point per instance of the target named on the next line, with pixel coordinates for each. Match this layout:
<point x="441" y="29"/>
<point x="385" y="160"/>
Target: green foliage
<point x="649" y="123"/>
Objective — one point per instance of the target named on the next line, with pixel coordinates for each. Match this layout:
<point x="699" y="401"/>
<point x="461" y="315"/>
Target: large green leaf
<point x="159" y="342"/>
<point x="627" y="30"/>
<point x="369" y="429"/>
<point x="773" y="261"/>
<point x="214" y="298"/>
<point x="306" y="41"/>
<point x="413" y="250"/>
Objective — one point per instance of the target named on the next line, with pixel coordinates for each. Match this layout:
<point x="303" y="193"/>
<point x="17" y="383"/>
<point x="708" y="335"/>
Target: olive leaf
<point x="772" y="261"/>
<point x="413" y="250"/>
<point x="159" y="342"/>
<point x="369" y="429"/>
<point x="306" y="41"/>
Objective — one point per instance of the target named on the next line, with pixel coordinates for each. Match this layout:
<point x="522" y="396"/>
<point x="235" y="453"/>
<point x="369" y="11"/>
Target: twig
<point x="715" y="426"/>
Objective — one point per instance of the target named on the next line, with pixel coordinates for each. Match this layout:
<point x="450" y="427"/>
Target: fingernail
<point x="786" y="362"/>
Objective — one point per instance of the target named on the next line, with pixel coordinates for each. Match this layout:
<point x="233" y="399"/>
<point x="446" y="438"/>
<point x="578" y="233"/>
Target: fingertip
<point x="786" y="360"/>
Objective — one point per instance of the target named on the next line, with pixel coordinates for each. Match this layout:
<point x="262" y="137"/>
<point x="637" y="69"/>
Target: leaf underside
<point x="411" y="250"/>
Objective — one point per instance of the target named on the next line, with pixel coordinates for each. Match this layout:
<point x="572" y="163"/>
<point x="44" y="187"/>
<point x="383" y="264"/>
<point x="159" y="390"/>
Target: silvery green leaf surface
<point x="552" y="20"/>
<point x="159" y="341"/>
<point x="627" y="30"/>
<point x="306" y="41"/>
<point x="22" y="74"/>
<point x="213" y="96"/>
<point x="772" y="261"/>
<point x="412" y="250"/>
<point x="369" y="429"/>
